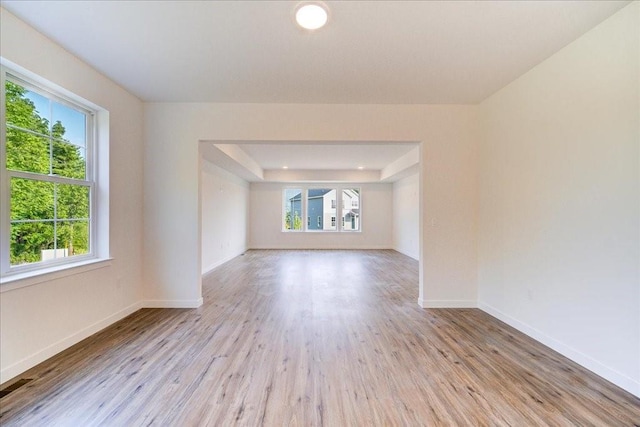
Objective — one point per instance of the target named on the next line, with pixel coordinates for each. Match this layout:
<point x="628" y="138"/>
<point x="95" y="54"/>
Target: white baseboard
<point x="315" y="247"/>
<point x="621" y="380"/>
<point x="217" y="264"/>
<point x="417" y="258"/>
<point x="185" y="303"/>
<point x="29" y="362"/>
<point x="435" y="303"/>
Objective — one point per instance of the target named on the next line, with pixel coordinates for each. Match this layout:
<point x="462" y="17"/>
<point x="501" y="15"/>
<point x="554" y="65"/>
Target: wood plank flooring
<point x="314" y="338"/>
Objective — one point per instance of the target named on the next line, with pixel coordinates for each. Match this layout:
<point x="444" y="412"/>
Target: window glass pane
<point x="321" y="204"/>
<point x="68" y="160"/>
<point x="32" y="212"/>
<point x="31" y="199"/>
<point x="26" y="109"/>
<point x="47" y="139"/>
<point x="72" y="238"/>
<point x="72" y="202"/>
<point x="68" y="124"/>
<point x="292" y="199"/>
<point x="27" y="152"/>
<point x="351" y="209"/>
<point x="30" y="241"/>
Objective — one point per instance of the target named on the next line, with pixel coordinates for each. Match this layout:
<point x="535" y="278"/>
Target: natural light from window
<point x="292" y="202"/>
<point x="316" y="209"/>
<point x="47" y="150"/>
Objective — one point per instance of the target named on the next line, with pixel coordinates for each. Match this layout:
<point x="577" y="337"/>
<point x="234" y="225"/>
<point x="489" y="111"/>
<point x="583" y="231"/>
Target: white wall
<point x="406" y="209"/>
<point x="225" y="215"/>
<point x="559" y="232"/>
<point x="40" y="320"/>
<point x="266" y="220"/>
<point x="171" y="227"/>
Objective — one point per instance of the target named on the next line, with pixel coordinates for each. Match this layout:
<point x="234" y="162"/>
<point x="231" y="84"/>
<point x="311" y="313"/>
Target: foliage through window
<point x="47" y="146"/>
<point x="293" y="209"/>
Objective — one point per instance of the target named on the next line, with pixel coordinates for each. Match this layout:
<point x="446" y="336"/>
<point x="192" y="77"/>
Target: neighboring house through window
<point x="319" y="205"/>
<point x="351" y="209"/>
<point x="292" y="218"/>
<point x="322" y="205"/>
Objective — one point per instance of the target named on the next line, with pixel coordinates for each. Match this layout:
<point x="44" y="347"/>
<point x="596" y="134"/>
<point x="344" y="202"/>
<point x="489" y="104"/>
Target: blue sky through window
<point x="72" y="120"/>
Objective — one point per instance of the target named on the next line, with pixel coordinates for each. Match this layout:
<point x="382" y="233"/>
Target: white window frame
<point x="319" y="218"/>
<point x="302" y="210"/>
<point x="339" y="225"/>
<point x="342" y="228"/>
<point x="98" y="241"/>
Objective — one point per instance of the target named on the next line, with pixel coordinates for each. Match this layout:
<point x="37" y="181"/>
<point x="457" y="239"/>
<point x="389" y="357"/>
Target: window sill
<point x="322" y="231"/>
<point x="22" y="280"/>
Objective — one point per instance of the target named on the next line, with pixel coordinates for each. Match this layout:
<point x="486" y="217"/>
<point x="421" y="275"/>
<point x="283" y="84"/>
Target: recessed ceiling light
<point x="360" y="167"/>
<point x="285" y="167"/>
<point x="312" y="16"/>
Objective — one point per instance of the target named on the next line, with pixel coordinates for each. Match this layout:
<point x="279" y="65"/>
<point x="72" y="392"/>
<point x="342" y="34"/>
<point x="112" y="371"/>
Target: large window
<point x="321" y="206"/>
<point x="351" y="209"/>
<point x="292" y="202"/>
<point x="48" y="181"/>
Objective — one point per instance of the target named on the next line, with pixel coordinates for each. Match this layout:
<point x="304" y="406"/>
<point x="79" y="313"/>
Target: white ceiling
<point x="333" y="156"/>
<point x="382" y="52"/>
<point x="308" y="161"/>
<point x="386" y="52"/>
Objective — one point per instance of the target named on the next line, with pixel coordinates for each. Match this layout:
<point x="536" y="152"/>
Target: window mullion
<point x="338" y="207"/>
<point x="21" y="129"/>
<point x="303" y="209"/>
<point x="55" y="220"/>
<point x="47" y="178"/>
<point x="72" y="222"/>
<point x="50" y="118"/>
<point x="4" y="181"/>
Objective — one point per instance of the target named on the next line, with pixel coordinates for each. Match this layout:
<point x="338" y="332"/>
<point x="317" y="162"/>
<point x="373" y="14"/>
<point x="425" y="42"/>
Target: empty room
<point x="320" y="213"/>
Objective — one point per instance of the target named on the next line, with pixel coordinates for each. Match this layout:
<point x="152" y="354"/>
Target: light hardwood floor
<point x="331" y="338"/>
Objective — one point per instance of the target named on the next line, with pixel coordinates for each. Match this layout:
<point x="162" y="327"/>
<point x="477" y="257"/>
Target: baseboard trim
<point x="621" y="380"/>
<point x="40" y="356"/>
<point x="217" y="264"/>
<point x="186" y="303"/>
<point x="407" y="254"/>
<point x="432" y="303"/>
<point x="319" y="247"/>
